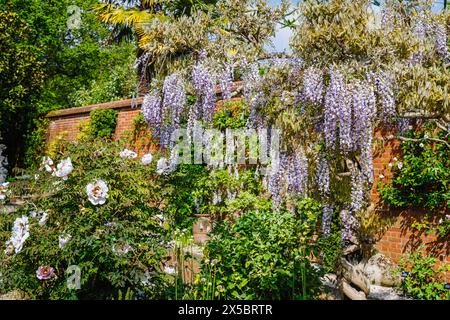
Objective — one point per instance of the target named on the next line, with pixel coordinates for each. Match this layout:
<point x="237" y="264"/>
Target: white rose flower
<point x="162" y="166"/>
<point x="390" y="165"/>
<point x="400" y="165"/>
<point x="97" y="192"/>
<point x="395" y="159"/>
<point x="426" y="136"/>
<point x="381" y="176"/>
<point x="63" y="169"/>
<point x="63" y="239"/>
<point x="421" y="145"/>
<point x="128" y="154"/>
<point x="147" y="159"/>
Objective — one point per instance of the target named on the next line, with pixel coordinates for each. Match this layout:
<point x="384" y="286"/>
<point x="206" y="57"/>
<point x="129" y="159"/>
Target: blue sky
<point x="281" y="39"/>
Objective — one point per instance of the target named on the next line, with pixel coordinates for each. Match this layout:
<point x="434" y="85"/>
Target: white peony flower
<point x="97" y="192"/>
<point x="147" y="159"/>
<point x="63" y="239"/>
<point x="20" y="233"/>
<point x="63" y="169"/>
<point x="400" y="165"/>
<point x="128" y="154"/>
<point x="47" y="164"/>
<point x="162" y="166"/>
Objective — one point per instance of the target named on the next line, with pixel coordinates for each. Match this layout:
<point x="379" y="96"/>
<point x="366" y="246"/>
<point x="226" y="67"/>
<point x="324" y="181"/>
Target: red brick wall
<point x="396" y="240"/>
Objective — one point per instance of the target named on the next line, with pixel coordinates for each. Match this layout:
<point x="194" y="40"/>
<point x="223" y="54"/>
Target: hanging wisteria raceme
<point x="334" y="100"/>
<point x="297" y="173"/>
<point x="345" y="120"/>
<point x="403" y="126"/>
<point x="141" y="62"/>
<point x="327" y="215"/>
<point x="173" y="104"/>
<point x="364" y="111"/>
<point x="441" y="41"/>
<point x="174" y="98"/>
<point x="225" y="81"/>
<point x="275" y="181"/>
<point x="346" y="228"/>
<point x="152" y="111"/>
<point x="387" y="18"/>
<point x="323" y="175"/>
<point x="251" y="79"/>
<point x="313" y="85"/>
<point x="205" y="87"/>
<point x="357" y="192"/>
<point x="420" y="28"/>
<point x="385" y="92"/>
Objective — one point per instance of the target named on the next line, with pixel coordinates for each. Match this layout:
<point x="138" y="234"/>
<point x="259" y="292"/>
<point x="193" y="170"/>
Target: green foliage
<point x="425" y="281"/>
<point x="21" y="75"/>
<point x="102" y="123"/>
<point x="98" y="232"/>
<point x="262" y="255"/>
<point x="233" y="115"/>
<point x="139" y="123"/>
<point x="187" y="194"/>
<point x="117" y="81"/>
<point x="421" y="178"/>
<point x="46" y="66"/>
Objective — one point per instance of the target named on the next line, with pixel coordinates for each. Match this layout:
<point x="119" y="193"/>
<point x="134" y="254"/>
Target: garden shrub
<point x="114" y="236"/>
<point x="422" y="176"/>
<point x="102" y="123"/>
<point x="262" y="255"/>
<point x="423" y="279"/>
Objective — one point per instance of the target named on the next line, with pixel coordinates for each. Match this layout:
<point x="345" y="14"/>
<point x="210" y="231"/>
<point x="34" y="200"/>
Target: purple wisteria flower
<point x="334" y="101"/>
<point x="152" y="111"/>
<point x="225" y="81"/>
<point x="327" y="215"/>
<point x="205" y="87"/>
<point x="297" y="173"/>
<point x="313" y="85"/>
<point x="323" y="175"/>
<point x="357" y="192"/>
<point x="441" y="41"/>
